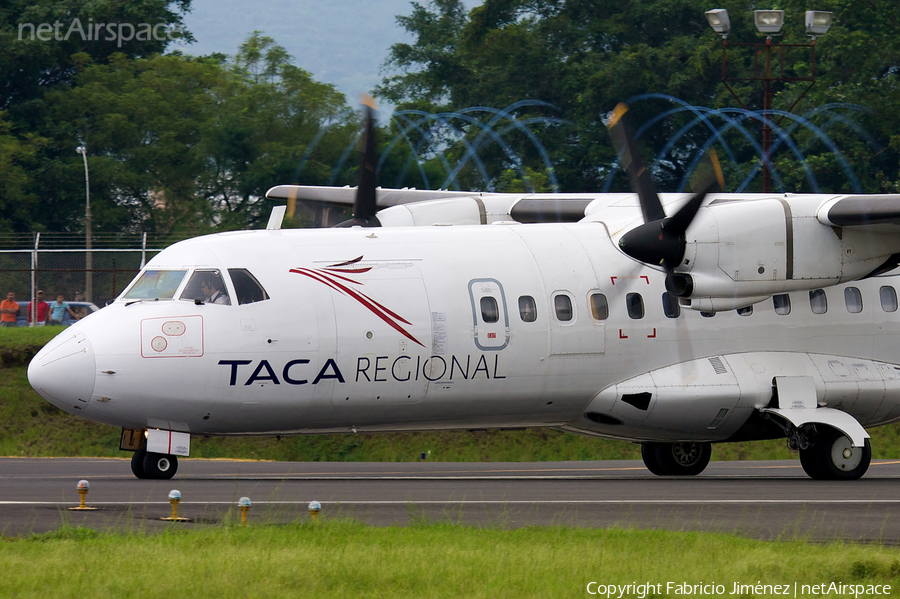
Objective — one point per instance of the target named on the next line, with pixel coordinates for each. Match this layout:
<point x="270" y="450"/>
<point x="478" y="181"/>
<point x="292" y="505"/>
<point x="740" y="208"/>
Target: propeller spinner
<point x="660" y="241"/>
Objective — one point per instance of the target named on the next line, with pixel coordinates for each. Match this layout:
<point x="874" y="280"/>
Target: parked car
<point x="81" y="309"/>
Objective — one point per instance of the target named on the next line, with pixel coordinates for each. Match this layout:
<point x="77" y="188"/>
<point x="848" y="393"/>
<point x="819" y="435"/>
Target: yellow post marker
<point x="174" y="498"/>
<point x="82" y="488"/>
<point x="244" y="506"/>
<point x="314" y="508"/>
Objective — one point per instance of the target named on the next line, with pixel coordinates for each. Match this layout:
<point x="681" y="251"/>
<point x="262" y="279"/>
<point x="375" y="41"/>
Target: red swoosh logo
<point x="329" y="276"/>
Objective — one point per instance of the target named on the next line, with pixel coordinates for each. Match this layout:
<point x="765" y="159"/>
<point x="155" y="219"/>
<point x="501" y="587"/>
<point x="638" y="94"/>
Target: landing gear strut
<point x="831" y="456"/>
<point x="686" y="458"/>
<point x="159" y="466"/>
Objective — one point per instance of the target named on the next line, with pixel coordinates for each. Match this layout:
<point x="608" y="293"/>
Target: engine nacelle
<point x="746" y="250"/>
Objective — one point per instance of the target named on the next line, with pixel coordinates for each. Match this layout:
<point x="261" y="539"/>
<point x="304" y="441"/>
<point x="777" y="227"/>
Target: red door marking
<point x="621" y="336"/>
<point x="653" y="336"/>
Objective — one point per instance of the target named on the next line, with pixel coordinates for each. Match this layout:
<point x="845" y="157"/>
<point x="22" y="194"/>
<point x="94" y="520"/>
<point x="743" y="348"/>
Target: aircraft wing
<point x="860" y="210"/>
<point x="345" y="196"/>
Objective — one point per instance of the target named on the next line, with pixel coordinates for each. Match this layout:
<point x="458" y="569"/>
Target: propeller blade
<point x="638" y="175"/>
<point x="660" y="241"/>
<point x="365" y="205"/>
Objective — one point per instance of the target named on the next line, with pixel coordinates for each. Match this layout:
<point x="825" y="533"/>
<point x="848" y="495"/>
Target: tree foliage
<point x="177" y="145"/>
<point x="586" y="56"/>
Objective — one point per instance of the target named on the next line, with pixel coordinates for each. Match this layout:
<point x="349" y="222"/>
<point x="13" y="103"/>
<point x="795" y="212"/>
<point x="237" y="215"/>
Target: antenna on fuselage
<point x="276" y="218"/>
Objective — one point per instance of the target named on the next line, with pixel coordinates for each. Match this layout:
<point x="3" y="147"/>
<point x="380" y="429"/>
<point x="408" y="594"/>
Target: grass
<point x="343" y="558"/>
<point x="29" y="426"/>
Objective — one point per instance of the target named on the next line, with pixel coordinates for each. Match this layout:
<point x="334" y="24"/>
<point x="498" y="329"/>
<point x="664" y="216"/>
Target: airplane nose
<point x="63" y="372"/>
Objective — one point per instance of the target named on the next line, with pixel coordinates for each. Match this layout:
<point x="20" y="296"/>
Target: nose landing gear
<point x="158" y="466"/>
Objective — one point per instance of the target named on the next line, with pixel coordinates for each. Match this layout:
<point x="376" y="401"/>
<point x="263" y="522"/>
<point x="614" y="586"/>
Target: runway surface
<point x="766" y="500"/>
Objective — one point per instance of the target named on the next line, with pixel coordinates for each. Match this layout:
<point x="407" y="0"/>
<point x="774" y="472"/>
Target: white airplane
<point x="743" y="316"/>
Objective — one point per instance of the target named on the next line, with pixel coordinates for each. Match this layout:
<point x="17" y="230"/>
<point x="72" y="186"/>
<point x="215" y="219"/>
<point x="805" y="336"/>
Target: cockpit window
<point x="246" y="287"/>
<point x="155" y="284"/>
<point x="206" y="286"/>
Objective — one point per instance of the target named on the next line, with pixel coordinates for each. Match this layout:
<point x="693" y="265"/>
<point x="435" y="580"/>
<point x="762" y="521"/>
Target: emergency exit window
<point x="635" y="305"/>
<point x="490" y="311"/>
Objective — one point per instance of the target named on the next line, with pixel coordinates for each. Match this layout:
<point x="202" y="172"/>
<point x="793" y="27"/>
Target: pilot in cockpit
<point x="213" y="289"/>
<point x="206" y="286"/>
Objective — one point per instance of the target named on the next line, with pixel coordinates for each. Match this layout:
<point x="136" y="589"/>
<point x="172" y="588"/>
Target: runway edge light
<point x="174" y="498"/>
<point x="244" y="506"/>
<point x="314" y="508"/>
<point x="82" y="487"/>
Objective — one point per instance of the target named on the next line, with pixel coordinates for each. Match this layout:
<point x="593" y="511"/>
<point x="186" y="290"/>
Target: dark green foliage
<point x="585" y="57"/>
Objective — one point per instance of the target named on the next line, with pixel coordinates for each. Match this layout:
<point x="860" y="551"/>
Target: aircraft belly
<point x="711" y="398"/>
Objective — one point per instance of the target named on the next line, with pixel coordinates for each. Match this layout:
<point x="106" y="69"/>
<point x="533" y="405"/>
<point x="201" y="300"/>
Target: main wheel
<point x="160" y="466"/>
<point x="809" y="459"/>
<point x="685" y="458"/>
<point x="648" y="454"/>
<point x="137" y="463"/>
<point x="837" y="459"/>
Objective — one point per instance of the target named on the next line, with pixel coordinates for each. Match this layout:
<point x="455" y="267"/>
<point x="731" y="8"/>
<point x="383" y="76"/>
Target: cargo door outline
<point x="489" y="336"/>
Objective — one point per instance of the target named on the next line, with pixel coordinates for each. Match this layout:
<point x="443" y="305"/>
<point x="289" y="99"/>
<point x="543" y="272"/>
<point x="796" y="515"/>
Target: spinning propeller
<point x="365" y="206"/>
<point x="660" y="241"/>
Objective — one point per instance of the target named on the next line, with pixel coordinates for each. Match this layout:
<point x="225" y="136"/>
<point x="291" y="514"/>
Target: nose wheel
<point x="158" y="466"/>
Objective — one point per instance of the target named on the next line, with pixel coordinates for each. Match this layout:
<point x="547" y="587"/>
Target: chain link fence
<point x="60" y="264"/>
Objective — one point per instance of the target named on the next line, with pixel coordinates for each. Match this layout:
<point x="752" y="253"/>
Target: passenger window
<point x="246" y="287"/>
<point x="635" y="305"/>
<point x="888" y="298"/>
<point x="599" y="306"/>
<point x="670" y="306"/>
<point x="490" y="312"/>
<point x="563" y="306"/>
<point x="818" y="303"/>
<point x="206" y="286"/>
<point x="745" y="311"/>
<point x="853" y="300"/>
<point x="782" y="304"/>
<point x="527" y="309"/>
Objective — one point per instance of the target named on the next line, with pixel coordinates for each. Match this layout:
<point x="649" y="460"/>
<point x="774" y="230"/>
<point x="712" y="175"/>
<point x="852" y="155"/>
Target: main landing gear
<point x="830" y="456"/>
<point x="159" y="466"/>
<point x="686" y="458"/>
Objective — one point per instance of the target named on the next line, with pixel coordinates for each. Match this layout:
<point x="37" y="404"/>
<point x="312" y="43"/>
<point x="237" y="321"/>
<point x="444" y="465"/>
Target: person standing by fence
<point x="41" y="311"/>
<point x="59" y="309"/>
<point x="9" y="310"/>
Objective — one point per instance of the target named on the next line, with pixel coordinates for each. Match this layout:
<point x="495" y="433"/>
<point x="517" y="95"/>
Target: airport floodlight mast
<point x="769" y="23"/>
<point x="89" y="266"/>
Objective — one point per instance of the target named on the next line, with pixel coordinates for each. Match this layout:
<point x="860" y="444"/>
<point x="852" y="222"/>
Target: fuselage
<point x="462" y="327"/>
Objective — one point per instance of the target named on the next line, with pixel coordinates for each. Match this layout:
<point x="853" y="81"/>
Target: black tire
<point x="685" y="458"/>
<point x="648" y="454"/>
<point x="838" y="460"/>
<point x="160" y="466"/>
<point x="809" y="459"/>
<point x="137" y="463"/>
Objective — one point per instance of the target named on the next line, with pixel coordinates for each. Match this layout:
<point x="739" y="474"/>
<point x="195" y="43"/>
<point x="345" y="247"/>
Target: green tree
<point x="586" y="56"/>
<point x="181" y="145"/>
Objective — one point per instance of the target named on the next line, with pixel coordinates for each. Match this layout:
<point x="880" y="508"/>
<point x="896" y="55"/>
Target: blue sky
<point x="343" y="42"/>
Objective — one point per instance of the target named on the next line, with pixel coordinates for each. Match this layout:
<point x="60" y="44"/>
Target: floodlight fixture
<point x="818" y="22"/>
<point x="768" y="22"/>
<point x="718" y="20"/>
